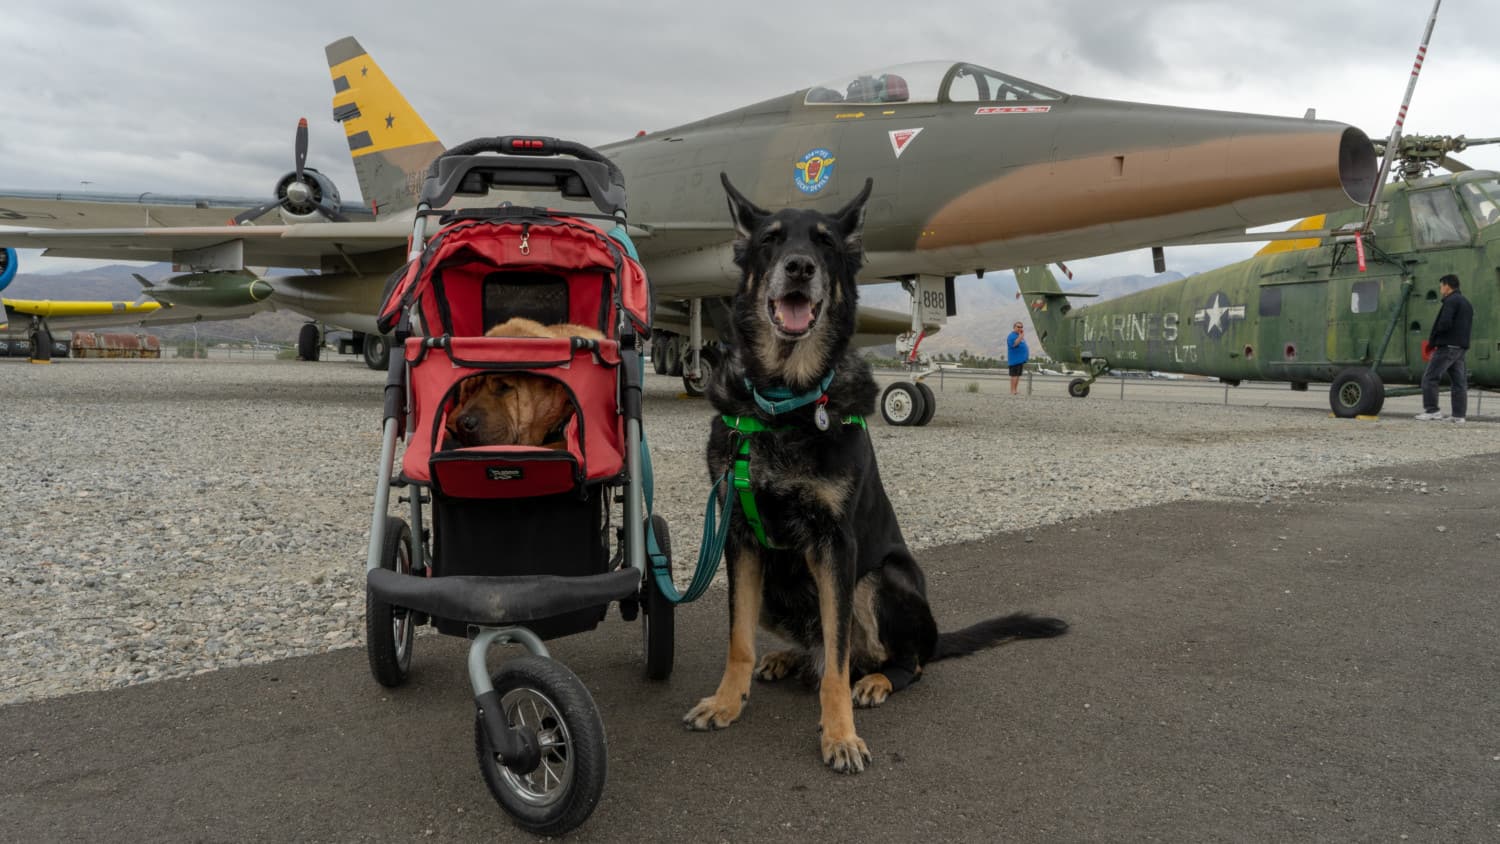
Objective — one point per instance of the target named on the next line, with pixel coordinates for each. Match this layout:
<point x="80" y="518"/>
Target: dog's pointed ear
<point x="852" y="217"/>
<point x="747" y="215"/>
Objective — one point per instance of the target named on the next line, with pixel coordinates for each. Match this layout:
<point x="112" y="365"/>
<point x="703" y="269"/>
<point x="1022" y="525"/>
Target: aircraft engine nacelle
<point x="311" y="198"/>
<point x="7" y="267"/>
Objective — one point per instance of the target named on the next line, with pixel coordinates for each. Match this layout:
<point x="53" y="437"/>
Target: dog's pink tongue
<point x="796" y="313"/>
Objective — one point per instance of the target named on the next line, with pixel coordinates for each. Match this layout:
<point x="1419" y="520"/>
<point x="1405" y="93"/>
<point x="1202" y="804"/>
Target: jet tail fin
<point x="390" y="143"/>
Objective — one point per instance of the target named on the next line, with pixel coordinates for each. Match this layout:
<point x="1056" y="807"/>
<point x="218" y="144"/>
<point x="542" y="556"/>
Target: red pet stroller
<point x="523" y="543"/>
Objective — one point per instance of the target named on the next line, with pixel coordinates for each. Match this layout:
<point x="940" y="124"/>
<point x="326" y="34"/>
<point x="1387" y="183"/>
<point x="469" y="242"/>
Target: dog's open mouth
<point x="794" y="314"/>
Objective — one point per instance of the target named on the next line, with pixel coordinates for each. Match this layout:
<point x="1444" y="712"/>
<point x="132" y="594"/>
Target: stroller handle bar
<point x="585" y="173"/>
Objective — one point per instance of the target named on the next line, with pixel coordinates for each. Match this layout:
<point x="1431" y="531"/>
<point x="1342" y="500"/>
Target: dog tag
<point x="820" y="418"/>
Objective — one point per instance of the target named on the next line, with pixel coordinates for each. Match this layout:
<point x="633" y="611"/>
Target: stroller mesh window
<point x="534" y="295"/>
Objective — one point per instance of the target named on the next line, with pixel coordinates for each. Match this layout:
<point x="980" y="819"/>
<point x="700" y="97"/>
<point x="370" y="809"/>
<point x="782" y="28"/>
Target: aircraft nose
<point x="1141" y="175"/>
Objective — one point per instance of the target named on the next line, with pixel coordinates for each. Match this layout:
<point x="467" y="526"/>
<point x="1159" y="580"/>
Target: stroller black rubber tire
<point x="657" y="625"/>
<point x="543" y="692"/>
<point x="390" y="632"/>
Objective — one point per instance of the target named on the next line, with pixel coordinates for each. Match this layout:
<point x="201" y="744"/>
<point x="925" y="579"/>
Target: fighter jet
<point x="974" y="170"/>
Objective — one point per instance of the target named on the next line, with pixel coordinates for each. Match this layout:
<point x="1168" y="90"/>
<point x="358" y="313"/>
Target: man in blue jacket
<point x="1016" y="354"/>
<point x="1449" y="342"/>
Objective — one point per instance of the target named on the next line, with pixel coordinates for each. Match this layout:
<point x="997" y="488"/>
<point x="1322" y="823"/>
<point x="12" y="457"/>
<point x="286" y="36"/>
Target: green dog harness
<point x="740" y="470"/>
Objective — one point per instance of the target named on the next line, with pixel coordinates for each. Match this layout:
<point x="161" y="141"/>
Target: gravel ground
<point x="164" y="518"/>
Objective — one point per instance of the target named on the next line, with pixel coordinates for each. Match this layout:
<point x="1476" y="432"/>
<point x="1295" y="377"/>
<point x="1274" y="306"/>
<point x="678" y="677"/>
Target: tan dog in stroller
<point x="515" y="409"/>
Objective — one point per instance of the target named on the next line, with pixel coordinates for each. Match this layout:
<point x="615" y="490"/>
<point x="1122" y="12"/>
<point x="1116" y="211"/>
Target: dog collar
<point x="779" y="400"/>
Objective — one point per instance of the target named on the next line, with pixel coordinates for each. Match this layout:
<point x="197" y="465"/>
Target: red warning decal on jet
<point x="1013" y="109"/>
<point x="901" y="139"/>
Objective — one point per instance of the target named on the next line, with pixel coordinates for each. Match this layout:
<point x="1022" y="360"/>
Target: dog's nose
<point x="799" y="268"/>
<point x="468" y="424"/>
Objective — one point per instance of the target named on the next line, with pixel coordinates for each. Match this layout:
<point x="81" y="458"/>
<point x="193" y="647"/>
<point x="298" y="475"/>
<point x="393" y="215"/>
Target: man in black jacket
<point x="1449" y="342"/>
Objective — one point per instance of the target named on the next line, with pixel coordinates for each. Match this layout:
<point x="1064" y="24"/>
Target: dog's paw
<point x="847" y="754"/>
<point x="778" y="664"/>
<point x="713" y="714"/>
<point x="871" y="690"/>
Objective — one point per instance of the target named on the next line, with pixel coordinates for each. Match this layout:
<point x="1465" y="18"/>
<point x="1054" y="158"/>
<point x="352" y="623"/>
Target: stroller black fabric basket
<point x="555" y="534"/>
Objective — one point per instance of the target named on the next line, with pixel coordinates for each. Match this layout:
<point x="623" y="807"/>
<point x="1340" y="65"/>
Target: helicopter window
<point x="1365" y="297"/>
<point x="972" y="83"/>
<point x="1483" y="199"/>
<point x="1436" y="220"/>
<point x="1270" y="301"/>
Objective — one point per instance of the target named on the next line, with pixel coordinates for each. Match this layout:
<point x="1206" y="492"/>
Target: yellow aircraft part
<point x="48" y="308"/>
<point x="386" y="120"/>
<point x="1277" y="247"/>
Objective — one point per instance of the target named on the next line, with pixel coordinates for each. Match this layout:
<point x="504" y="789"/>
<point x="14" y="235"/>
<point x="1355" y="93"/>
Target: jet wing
<point x="668" y="238"/>
<point x="218" y="247"/>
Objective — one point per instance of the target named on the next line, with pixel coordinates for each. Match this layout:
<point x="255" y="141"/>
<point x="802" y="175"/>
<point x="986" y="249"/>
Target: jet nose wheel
<point x="903" y="404"/>
<point x="1078" y="388"/>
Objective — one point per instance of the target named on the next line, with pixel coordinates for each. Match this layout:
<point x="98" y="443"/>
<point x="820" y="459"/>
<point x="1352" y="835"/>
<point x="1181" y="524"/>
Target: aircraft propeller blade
<point x="300" y="146"/>
<point x="244" y="217"/>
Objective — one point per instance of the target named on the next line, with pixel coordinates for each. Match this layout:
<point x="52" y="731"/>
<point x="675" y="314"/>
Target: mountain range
<point x="986" y="306"/>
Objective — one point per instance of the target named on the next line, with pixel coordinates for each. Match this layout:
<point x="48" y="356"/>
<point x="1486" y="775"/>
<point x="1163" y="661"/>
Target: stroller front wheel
<point x="542" y="695"/>
<point x="389" y="630"/>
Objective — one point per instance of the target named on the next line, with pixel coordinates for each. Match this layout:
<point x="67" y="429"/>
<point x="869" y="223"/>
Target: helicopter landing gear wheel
<point x="1356" y="392"/>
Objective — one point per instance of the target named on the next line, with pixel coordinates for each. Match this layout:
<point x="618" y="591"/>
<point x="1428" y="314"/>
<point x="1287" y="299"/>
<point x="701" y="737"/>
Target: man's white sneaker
<point x="1458" y="419"/>
<point x="1430" y="417"/>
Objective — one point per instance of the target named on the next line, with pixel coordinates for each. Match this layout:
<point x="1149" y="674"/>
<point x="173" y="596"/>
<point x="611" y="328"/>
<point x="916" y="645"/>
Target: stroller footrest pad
<point x="495" y="601"/>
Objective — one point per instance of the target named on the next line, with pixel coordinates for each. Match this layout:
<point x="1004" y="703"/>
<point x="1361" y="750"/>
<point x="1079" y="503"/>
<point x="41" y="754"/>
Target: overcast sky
<point x="203" y="98"/>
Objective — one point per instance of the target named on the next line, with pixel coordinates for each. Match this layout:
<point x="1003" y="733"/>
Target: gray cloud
<point x="179" y="96"/>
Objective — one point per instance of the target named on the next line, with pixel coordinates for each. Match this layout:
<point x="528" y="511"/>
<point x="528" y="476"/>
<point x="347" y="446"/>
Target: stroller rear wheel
<point x="657" y="629"/>
<point x="389" y="630"/>
<point x="542" y="695"/>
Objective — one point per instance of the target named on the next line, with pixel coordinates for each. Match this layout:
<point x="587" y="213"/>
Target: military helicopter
<point x="1347" y="298"/>
<point x="1335" y="303"/>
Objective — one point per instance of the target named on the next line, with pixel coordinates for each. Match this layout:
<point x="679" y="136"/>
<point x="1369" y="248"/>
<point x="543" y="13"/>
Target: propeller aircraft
<point x="959" y="155"/>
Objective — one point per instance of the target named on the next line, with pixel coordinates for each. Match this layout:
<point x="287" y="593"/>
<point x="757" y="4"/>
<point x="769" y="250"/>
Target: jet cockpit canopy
<point x="929" y="82"/>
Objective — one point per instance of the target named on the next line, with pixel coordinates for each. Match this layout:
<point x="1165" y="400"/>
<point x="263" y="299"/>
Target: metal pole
<point x="1122" y="386"/>
<point x="1029" y="377"/>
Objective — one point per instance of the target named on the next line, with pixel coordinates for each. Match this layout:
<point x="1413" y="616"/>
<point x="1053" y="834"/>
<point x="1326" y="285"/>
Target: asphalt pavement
<point x="1318" y="668"/>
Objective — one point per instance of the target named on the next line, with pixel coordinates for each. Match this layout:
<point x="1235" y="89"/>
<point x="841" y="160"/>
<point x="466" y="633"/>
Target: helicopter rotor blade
<point x="1393" y="144"/>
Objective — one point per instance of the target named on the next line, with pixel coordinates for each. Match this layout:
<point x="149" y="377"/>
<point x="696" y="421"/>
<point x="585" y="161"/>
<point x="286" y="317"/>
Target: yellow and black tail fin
<point x="390" y="143"/>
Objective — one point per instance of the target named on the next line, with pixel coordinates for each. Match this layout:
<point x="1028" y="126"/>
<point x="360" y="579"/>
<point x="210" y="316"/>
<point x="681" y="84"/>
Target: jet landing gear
<point x="309" y="342"/>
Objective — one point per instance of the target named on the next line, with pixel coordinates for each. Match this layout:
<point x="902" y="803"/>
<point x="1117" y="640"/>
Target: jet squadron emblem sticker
<point x="813" y="171"/>
<point x="1217" y="314"/>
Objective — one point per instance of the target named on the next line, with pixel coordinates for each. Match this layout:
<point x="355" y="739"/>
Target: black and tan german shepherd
<point x="839" y="583"/>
